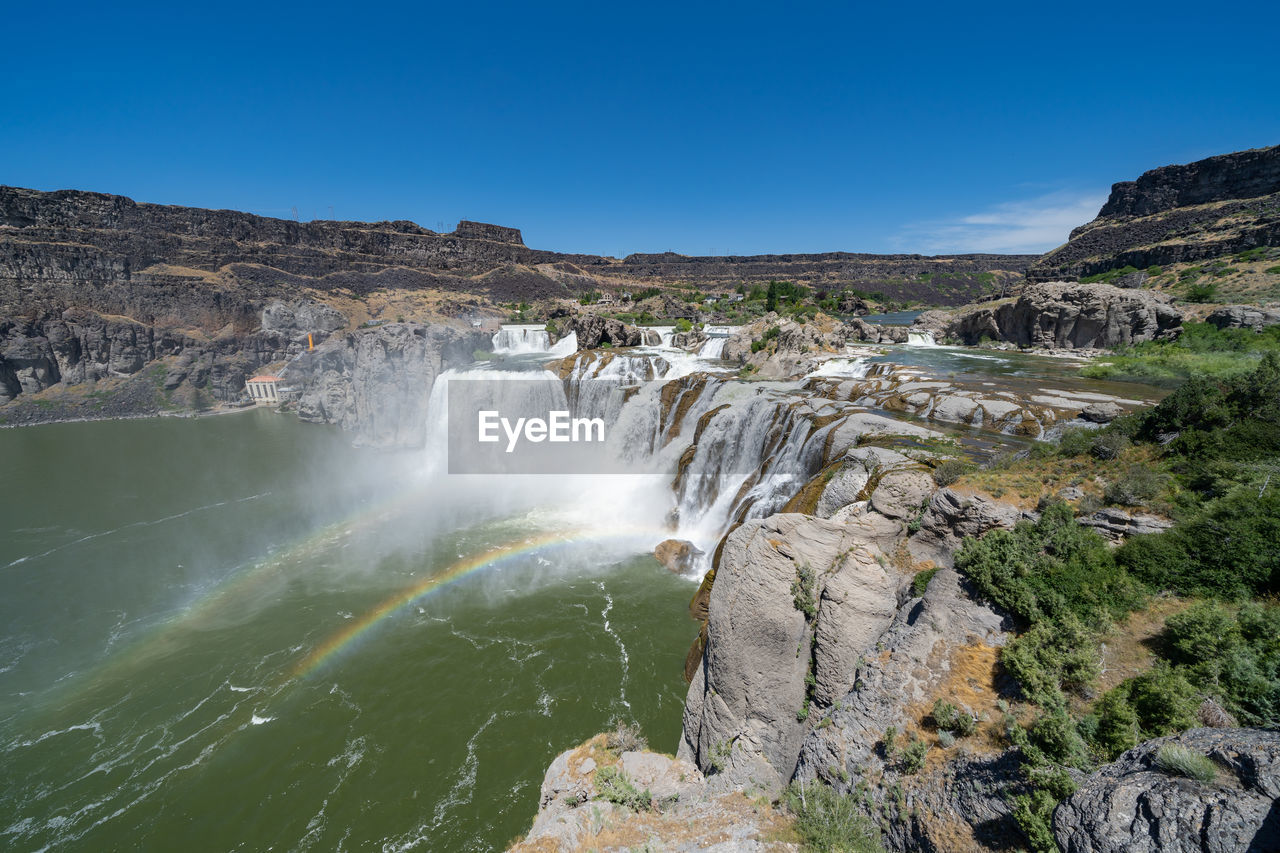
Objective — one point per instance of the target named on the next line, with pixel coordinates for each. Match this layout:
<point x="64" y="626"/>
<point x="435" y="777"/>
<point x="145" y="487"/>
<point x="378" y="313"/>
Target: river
<point x="169" y="582"/>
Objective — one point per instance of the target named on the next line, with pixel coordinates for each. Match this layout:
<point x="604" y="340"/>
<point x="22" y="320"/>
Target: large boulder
<point x="595" y="331"/>
<point x="744" y="713"/>
<point x="1070" y="315"/>
<point x="1141" y="804"/>
<point x="1244" y="317"/>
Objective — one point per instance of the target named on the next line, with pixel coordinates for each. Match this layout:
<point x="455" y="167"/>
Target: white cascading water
<point x="712" y="348"/>
<point x="532" y="340"/>
<point x="921" y="339"/>
<point x="843" y="368"/>
<point x="519" y="340"/>
<point x="754" y="453"/>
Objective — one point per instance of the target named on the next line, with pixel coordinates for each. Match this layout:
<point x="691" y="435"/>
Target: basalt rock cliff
<point x="1176" y="214"/>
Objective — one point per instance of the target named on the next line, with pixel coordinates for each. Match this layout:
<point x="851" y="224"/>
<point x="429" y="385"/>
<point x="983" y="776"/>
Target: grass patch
<point x="1181" y="761"/>
<point x="615" y="786"/>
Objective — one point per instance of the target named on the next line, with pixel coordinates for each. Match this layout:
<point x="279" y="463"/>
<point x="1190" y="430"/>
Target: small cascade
<point x="922" y="338"/>
<point x="843" y="368"/>
<point x="665" y="334"/>
<point x="712" y="348"/>
<point x="564" y="347"/>
<point x="523" y="340"/>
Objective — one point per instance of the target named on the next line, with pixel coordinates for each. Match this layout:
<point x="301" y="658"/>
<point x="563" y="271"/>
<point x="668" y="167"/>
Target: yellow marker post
<point x="310" y="345"/>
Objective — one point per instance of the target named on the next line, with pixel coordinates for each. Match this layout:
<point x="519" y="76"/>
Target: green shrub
<point x="1053" y="658"/>
<point x="913" y="755"/>
<point x="1181" y="761"/>
<point x="1075" y="442"/>
<point x="683" y="324"/>
<point x="1109" y="444"/>
<point x="1054" y="733"/>
<point x="1139" y="486"/>
<point x="828" y="821"/>
<point x="613" y="785"/>
<point x="1034" y="815"/>
<point x="803" y="588"/>
<point x="1164" y="701"/>
<point x="1227" y="550"/>
<point x="948" y="471"/>
<point x="1234" y="656"/>
<point x="1117" y="727"/>
<point x="920" y="582"/>
<point x="1202" y="291"/>
<point x="1048" y="569"/>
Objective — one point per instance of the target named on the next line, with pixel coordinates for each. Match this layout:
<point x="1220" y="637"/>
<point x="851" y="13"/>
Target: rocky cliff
<point x="376" y="384"/>
<point x="1176" y="214"/>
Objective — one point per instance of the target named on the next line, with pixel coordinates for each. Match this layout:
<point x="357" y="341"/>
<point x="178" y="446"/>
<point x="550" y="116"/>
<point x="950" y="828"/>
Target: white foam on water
<point x="255" y="720"/>
<point x="624" y="658"/>
<point x="844" y="368"/>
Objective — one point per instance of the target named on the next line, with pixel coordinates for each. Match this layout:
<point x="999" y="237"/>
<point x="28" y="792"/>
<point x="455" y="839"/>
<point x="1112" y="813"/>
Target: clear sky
<point x="597" y="127"/>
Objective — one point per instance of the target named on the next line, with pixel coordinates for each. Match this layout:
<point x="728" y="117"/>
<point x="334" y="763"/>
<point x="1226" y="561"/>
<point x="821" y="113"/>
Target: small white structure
<point x="264" y="390"/>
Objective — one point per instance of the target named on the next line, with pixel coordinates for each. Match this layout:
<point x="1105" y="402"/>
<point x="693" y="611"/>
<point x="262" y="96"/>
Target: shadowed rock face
<point x="1135" y="805"/>
<point x="1174" y="214"/>
<point x="1073" y="316"/>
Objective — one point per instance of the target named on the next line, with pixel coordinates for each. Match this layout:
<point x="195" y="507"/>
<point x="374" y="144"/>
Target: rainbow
<point x="358" y="628"/>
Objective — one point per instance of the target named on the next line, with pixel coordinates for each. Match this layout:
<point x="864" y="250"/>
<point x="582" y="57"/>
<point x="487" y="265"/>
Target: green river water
<point x="165" y="580"/>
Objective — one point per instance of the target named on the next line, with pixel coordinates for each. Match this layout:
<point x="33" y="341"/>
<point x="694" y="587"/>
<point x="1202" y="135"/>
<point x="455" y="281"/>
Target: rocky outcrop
<point x="1244" y="317"/>
<point x="942" y="645"/>
<point x="778" y="580"/>
<point x="1141" y="804"/>
<point x="1118" y="524"/>
<point x="1071" y="316"/>
<point x="579" y="807"/>
<point x="680" y="556"/>
<point x="952" y="516"/>
<point x="1176" y="214"/>
<point x="594" y="331"/>
<point x="79" y="346"/>
<point x="376" y="383"/>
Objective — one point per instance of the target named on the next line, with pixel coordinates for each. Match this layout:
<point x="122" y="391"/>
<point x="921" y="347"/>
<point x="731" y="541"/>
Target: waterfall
<point x="843" y="368"/>
<point x="712" y="348"/>
<point x="755" y="446"/>
<point x="922" y="338"/>
<point x="566" y="346"/>
<point x="521" y="340"/>
<point x="665" y="333"/>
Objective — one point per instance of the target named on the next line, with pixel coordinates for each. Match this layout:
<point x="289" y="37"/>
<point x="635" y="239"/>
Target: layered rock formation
<point x="78" y="346"/>
<point x="1141" y="804"/>
<point x="1174" y="214"/>
<point x="1072" y="316"/>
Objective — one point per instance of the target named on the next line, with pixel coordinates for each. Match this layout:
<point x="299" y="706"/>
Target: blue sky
<point x="695" y="127"/>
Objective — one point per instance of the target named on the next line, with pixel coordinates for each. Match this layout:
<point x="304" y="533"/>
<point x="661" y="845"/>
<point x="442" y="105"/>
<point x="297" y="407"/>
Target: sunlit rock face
<point x="1066" y="315"/>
